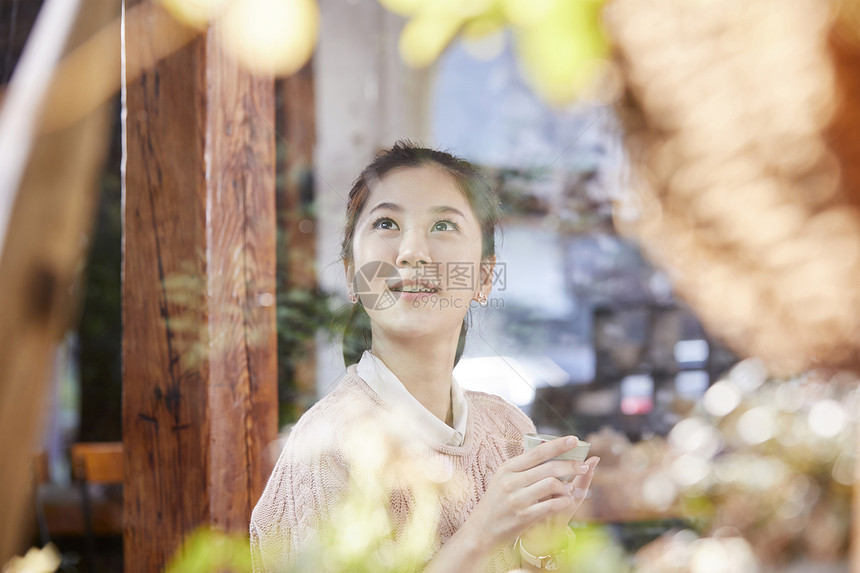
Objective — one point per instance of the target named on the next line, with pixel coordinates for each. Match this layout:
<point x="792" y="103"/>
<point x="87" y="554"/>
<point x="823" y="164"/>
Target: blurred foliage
<point x="596" y="551"/>
<point x="100" y="326"/>
<point x="300" y="313"/>
<point x="561" y="43"/>
<point x="208" y="550"/>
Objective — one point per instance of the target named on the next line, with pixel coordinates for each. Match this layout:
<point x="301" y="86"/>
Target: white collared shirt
<point x="392" y="391"/>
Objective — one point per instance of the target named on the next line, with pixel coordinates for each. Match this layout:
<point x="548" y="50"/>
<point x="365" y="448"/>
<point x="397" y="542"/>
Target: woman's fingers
<point x="547" y="480"/>
<point x="547" y="487"/>
<point x="543" y="452"/>
<point x="554" y="468"/>
<point x="589" y="474"/>
<point x="582" y="482"/>
<point x="548" y="507"/>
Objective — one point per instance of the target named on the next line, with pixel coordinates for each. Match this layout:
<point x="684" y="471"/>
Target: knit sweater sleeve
<point x="503" y="419"/>
<point x="523" y="423"/>
<point x="308" y="481"/>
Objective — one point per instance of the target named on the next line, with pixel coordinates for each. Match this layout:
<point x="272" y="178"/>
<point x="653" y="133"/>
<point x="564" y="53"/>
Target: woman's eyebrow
<point x="447" y="209"/>
<point x="386" y="205"/>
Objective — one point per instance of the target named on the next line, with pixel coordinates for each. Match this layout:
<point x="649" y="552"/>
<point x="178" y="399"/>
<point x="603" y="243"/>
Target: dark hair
<point x="404" y="153"/>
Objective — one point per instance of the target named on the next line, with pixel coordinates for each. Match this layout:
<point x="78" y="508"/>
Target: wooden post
<point x="199" y="346"/>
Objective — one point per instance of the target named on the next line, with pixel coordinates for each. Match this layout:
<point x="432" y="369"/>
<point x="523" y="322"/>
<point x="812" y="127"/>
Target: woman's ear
<point x="488" y="266"/>
<point x="349" y="272"/>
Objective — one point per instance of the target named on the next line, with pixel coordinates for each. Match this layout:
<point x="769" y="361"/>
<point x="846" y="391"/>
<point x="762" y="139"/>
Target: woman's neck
<point x="424" y="366"/>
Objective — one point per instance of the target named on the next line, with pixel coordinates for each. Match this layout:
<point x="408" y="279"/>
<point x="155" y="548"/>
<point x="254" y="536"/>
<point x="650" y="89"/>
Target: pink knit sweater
<point x="312" y="473"/>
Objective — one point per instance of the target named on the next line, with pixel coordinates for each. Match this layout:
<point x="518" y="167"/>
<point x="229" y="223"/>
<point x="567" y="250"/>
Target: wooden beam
<point x="38" y="270"/>
<point x="199" y="346"/>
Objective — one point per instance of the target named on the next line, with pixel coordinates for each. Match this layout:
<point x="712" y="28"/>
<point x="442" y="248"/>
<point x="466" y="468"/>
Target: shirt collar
<point x="392" y="391"/>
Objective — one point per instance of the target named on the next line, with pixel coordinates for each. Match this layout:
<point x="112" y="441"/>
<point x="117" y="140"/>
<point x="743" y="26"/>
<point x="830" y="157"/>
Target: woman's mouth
<point x="413" y="287"/>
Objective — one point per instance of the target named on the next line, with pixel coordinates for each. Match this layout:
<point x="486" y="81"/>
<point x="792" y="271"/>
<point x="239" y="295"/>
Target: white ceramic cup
<point x="577" y="453"/>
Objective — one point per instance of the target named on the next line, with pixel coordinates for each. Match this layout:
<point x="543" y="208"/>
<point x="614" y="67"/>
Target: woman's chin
<point x="403" y="320"/>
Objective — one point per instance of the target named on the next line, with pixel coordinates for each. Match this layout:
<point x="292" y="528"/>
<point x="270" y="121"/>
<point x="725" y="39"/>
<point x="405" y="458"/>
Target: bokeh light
<point x="757" y="425"/>
<point x="721" y="398"/>
<point x="265" y="36"/>
<point x="196" y="13"/>
<point x="271" y="36"/>
<point x="766" y="460"/>
<point x="827" y="418"/>
<point x="659" y="491"/>
<point x="689" y="470"/>
<point x="694" y="435"/>
<point x="718" y="555"/>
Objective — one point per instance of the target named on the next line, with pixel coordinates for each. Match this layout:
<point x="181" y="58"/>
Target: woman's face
<point x="416" y="254"/>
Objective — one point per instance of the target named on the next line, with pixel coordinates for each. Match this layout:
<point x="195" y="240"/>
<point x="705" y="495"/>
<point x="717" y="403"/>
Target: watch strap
<point x="548" y="561"/>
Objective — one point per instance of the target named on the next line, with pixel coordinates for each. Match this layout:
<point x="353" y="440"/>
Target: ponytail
<point x="356" y="334"/>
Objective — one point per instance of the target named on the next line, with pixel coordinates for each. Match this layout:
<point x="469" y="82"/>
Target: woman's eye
<point x="445" y="226"/>
<point x="384" y="223"/>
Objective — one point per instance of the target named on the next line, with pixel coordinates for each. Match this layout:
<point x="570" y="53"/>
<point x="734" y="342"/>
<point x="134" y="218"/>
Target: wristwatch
<point x="548" y="561"/>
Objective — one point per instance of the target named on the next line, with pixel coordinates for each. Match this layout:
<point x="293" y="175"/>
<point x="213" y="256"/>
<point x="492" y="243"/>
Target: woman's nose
<point x="413" y="249"/>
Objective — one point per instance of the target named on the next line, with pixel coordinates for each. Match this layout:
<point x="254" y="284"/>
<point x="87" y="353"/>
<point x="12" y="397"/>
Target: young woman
<point x="418" y="249"/>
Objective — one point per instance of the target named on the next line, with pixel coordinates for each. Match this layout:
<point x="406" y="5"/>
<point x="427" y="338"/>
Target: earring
<point x="353" y="298"/>
<point x="482" y="298"/>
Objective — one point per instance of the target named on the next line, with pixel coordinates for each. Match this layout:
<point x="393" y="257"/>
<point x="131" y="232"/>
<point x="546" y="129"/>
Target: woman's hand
<point x="549" y="534"/>
<point x="526" y="491"/>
